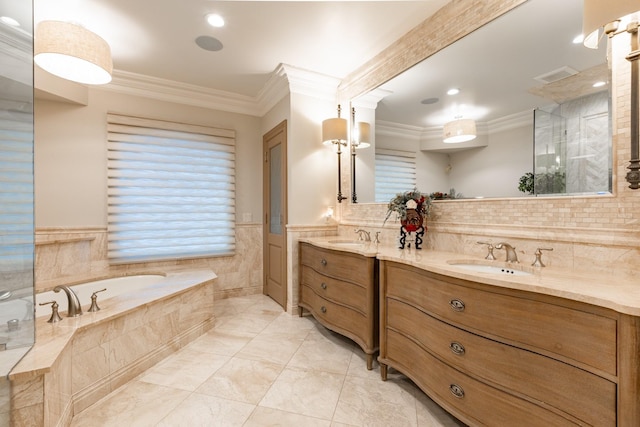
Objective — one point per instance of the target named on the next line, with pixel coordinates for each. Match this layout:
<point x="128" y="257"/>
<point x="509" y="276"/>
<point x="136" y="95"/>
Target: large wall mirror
<point x="540" y="103"/>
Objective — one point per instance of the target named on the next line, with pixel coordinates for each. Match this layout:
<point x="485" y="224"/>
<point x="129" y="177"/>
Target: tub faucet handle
<point x="94" y="301"/>
<point x="55" y="316"/>
<point x="490" y="254"/>
<point x="538" y="254"/>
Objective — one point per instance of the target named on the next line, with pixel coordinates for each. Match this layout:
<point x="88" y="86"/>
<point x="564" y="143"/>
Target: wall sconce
<point x="459" y="130"/>
<point x="607" y="15"/>
<point x="334" y="133"/>
<point x="360" y="138"/>
<point x="72" y="52"/>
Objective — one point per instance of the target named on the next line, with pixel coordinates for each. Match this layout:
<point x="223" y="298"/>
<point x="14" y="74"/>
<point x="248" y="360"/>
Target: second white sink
<point x="490" y="269"/>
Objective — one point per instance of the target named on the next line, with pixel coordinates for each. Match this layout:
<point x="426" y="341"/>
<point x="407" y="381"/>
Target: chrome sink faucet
<point x="74" y="309"/>
<point x="511" y="251"/>
<point x="364" y="233"/>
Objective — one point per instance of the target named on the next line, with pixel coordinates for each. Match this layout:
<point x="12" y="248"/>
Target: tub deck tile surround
<point x="77" y="361"/>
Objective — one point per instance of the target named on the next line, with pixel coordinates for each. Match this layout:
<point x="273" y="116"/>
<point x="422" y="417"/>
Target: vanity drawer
<point x="338" y="317"/>
<point x="474" y="402"/>
<point x="584" y="395"/>
<point x="579" y="335"/>
<point x="339" y="264"/>
<point x="346" y="293"/>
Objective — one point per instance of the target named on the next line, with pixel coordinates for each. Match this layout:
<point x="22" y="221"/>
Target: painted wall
<point x="71" y="163"/>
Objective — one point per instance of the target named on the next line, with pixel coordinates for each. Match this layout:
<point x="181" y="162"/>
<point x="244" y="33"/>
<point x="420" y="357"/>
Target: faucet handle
<point x="55" y="316"/>
<point x="94" y="301"/>
<point x="538" y="254"/>
<point x="490" y="250"/>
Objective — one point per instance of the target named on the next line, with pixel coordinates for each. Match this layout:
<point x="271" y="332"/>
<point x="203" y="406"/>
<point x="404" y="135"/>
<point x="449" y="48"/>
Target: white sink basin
<point x="489" y="269"/>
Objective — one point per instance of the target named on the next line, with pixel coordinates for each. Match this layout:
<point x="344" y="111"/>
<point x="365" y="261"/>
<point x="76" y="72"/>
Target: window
<point x="171" y="190"/>
<point x="395" y="173"/>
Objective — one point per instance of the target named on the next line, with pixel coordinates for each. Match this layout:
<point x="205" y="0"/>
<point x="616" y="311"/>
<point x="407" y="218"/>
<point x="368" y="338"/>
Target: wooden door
<point x="275" y="218"/>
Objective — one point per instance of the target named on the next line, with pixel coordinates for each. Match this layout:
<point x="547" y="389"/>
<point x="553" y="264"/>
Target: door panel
<point x="275" y="208"/>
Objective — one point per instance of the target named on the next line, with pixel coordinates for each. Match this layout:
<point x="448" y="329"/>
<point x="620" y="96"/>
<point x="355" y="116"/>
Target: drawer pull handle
<point x="457" y="348"/>
<point x="456" y="390"/>
<point x="323" y="261"/>
<point x="456" y="305"/>
<point x="323" y="285"/>
<point x="323" y="309"/>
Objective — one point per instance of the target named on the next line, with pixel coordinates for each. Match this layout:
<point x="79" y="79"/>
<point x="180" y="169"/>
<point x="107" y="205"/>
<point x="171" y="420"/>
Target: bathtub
<point x="20" y="311"/>
<point x="78" y="361"/>
<point x="114" y="287"/>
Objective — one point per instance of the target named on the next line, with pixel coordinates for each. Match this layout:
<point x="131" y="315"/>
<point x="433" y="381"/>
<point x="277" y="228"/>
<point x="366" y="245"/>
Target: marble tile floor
<point x="260" y="366"/>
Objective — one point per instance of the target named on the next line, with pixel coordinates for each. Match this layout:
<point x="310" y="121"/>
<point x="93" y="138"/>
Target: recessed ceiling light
<point x="215" y="20"/>
<point x="9" y="21"/>
<point x="578" y="39"/>
<point x="599" y="84"/>
<point x="453" y="91"/>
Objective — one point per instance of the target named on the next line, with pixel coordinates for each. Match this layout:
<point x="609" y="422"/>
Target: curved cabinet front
<point x="494" y="356"/>
<point x="340" y="289"/>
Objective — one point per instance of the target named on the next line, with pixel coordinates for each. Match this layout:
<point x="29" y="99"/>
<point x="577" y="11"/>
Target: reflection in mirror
<point x="523" y="64"/>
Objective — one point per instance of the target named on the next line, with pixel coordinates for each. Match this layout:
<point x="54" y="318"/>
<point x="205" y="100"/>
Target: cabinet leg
<point x="383" y="371"/>
<point x="300" y="311"/>
<point x="369" y="361"/>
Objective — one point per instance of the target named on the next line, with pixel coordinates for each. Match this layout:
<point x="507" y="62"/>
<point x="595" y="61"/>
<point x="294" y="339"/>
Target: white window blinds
<point x="16" y="197"/>
<point x="171" y="190"/>
<point x="395" y="173"/>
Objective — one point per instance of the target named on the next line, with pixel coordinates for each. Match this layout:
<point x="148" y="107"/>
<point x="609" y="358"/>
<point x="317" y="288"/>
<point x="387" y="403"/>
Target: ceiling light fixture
<point x="607" y="15"/>
<point x="215" y="20"/>
<point x="459" y="130"/>
<point x="599" y="84"/>
<point x="453" y="91"/>
<point x="72" y="52"/>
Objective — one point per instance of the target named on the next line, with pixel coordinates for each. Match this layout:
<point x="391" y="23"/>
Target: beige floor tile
<point x="311" y="393"/>
<point x="245" y="322"/>
<point x="200" y="410"/>
<point x="262" y="417"/>
<point x="226" y="343"/>
<point x="270" y="348"/>
<point x="137" y="404"/>
<point x="372" y="402"/>
<point x="293" y="326"/>
<point x="243" y="380"/>
<point x="323" y="355"/>
<point x="358" y="365"/>
<point x="186" y="370"/>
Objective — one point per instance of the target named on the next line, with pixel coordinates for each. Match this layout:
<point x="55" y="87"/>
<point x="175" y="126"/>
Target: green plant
<point x="409" y="200"/>
<point x="525" y="184"/>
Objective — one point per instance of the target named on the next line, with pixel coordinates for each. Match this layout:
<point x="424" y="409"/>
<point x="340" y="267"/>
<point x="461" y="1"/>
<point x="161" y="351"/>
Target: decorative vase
<point x="412" y="229"/>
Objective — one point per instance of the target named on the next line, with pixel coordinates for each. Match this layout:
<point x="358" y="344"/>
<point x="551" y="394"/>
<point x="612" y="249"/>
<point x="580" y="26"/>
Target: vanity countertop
<point x="621" y="294"/>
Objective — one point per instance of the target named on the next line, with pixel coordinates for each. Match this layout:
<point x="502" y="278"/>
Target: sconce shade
<point x="598" y="13"/>
<point x="363" y="135"/>
<point x="72" y="52"/>
<point x="460" y="130"/>
<point x="334" y="130"/>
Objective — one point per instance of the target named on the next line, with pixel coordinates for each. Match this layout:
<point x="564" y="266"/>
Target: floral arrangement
<point x="438" y="195"/>
<point x="409" y="200"/>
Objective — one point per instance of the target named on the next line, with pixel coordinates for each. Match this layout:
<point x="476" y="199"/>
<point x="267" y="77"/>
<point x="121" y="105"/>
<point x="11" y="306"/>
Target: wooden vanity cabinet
<point x="340" y="289"/>
<point x="495" y="356"/>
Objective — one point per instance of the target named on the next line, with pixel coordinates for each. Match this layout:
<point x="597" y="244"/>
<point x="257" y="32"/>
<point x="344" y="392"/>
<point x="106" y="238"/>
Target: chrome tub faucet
<point x="73" y="303"/>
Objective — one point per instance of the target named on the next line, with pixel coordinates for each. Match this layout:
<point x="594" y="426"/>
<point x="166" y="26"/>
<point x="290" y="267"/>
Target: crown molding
<point x="285" y="79"/>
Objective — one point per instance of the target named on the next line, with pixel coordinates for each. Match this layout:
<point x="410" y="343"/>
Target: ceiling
<point x="157" y="38"/>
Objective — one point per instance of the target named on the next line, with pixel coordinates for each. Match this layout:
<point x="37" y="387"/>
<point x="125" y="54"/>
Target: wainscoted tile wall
<point x="74" y="255"/>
